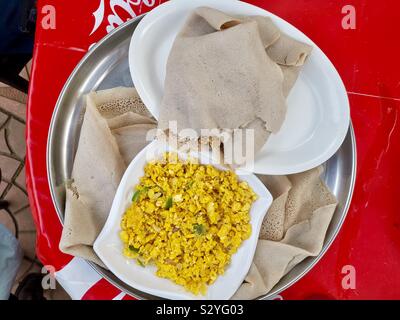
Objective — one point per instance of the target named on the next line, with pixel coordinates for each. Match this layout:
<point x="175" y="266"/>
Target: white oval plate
<point x="108" y="245"/>
<point x="318" y="113"/>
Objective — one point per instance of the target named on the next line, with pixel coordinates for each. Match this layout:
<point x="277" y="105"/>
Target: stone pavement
<point x="18" y="217"/>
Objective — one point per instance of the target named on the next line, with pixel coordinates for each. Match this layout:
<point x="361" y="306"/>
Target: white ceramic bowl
<point x="108" y="245"/>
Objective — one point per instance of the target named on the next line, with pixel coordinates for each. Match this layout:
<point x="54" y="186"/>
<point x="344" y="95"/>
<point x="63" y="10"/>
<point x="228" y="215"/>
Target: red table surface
<point x="366" y="59"/>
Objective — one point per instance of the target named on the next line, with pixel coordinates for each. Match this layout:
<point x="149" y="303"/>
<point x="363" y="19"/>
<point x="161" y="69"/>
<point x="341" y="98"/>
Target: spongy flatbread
<point x="220" y="74"/>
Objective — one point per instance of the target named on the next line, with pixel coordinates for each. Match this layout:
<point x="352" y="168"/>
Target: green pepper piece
<point x="169" y="203"/>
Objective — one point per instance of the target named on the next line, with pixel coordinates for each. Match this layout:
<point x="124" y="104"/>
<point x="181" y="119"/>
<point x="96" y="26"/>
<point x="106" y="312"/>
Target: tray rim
<point x="274" y="291"/>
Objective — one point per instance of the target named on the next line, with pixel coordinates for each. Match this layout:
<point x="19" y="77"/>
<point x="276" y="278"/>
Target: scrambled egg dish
<point x="187" y="219"/>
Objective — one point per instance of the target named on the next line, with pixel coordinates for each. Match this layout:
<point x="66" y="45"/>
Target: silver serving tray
<point x="106" y="66"/>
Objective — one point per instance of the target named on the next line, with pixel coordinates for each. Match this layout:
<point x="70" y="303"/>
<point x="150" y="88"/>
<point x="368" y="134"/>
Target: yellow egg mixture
<point x="187" y="219"/>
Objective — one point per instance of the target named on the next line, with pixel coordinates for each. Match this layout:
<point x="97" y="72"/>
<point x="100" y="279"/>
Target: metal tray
<point x="106" y="66"/>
